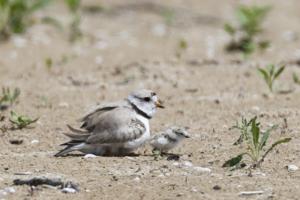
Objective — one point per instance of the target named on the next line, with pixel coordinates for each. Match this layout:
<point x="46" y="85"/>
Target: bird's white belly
<point x="163" y="144"/>
<point x="141" y="140"/>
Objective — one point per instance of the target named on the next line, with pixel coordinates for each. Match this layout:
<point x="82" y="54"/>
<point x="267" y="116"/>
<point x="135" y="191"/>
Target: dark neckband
<point x="138" y="111"/>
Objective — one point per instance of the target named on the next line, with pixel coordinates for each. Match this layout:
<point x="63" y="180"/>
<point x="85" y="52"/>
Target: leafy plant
<point x="74" y="7"/>
<point x="15" y="15"/>
<point x="182" y="45"/>
<point x="168" y="16"/>
<point x="296" y="78"/>
<point x="244" y="35"/>
<point x="255" y="142"/>
<point x="270" y="74"/>
<point x="9" y="97"/>
<point x="21" y="121"/>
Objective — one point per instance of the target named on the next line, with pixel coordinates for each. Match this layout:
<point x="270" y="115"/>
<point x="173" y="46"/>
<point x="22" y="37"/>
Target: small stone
<point x="249" y="193"/>
<point x="187" y="164"/>
<point x="137" y="179"/>
<point x="63" y="105"/>
<point x="159" y="30"/>
<point x="10" y="190"/>
<point x="19" y="41"/>
<point x="98" y="60"/>
<point x="176" y="163"/>
<point x="16" y="141"/>
<point x="90" y="156"/>
<point x="23" y="173"/>
<point x="217" y="187"/>
<point x="256" y="108"/>
<point x="202" y="169"/>
<point x="34" y="141"/>
<point x="101" y="45"/>
<point x="292" y="168"/>
<point x="68" y="190"/>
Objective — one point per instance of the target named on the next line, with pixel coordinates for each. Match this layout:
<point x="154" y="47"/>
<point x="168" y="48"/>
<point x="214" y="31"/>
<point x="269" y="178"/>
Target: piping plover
<point x="115" y="129"/>
<point x="168" y="139"/>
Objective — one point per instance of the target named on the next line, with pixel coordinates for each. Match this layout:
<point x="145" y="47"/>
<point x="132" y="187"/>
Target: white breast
<point x="141" y="140"/>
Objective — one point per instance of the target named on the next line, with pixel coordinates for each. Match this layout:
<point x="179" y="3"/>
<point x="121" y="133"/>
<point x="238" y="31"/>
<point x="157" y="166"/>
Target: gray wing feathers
<point x="115" y="126"/>
<point x="90" y="119"/>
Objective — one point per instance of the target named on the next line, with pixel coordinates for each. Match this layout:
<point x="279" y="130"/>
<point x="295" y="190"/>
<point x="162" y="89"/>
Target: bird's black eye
<point x="147" y="99"/>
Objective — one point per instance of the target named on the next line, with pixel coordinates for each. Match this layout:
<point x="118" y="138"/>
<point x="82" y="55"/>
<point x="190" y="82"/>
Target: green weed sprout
<point x="296" y="78"/>
<point x="74" y="7"/>
<point x="9" y="97"/>
<point x="244" y="36"/>
<point x="168" y="16"/>
<point x="15" y="15"/>
<point x="21" y="121"/>
<point x="270" y="74"/>
<point x="182" y="45"/>
<point x="255" y="142"/>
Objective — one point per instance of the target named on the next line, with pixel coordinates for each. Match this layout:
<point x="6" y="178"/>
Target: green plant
<point x="270" y="74"/>
<point x="296" y="78"/>
<point x="244" y="35"/>
<point x="182" y="45"/>
<point x="74" y="7"/>
<point x="21" y="121"/>
<point x="9" y="97"/>
<point x="255" y="142"/>
<point x="168" y="16"/>
<point x="15" y="15"/>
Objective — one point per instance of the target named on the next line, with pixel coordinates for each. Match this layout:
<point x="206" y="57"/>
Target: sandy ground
<point x="129" y="46"/>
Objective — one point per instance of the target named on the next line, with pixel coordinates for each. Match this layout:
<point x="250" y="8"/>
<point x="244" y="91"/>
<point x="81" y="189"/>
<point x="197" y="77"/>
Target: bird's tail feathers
<point x="70" y="146"/>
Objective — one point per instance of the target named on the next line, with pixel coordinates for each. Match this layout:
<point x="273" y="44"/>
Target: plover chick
<point x="168" y="139"/>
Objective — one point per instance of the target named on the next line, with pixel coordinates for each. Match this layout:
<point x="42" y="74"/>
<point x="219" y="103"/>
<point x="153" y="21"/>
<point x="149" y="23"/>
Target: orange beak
<point x="159" y="104"/>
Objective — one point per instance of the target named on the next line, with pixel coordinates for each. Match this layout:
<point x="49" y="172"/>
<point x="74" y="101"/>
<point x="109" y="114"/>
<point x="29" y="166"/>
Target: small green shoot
<point x="74" y="7"/>
<point x="9" y="97"/>
<point x="21" y="121"/>
<point x="169" y="16"/>
<point x="296" y="78"/>
<point x="49" y="63"/>
<point x="270" y="74"/>
<point x="181" y="48"/>
<point x="254" y="142"/>
<point x="244" y="35"/>
<point x="15" y="15"/>
<point x="156" y="154"/>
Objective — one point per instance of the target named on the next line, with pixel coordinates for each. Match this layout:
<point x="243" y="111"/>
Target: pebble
<point x="248" y="193"/>
<point x="68" y="190"/>
<point x="101" y="45"/>
<point x="217" y="187"/>
<point x="159" y="30"/>
<point x="137" y="179"/>
<point x="34" y="141"/>
<point x="292" y="168"/>
<point x="63" y="105"/>
<point x="90" y="156"/>
<point x="19" y="42"/>
<point x="187" y="164"/>
<point x="6" y="191"/>
<point x="10" y="190"/>
<point x="202" y="169"/>
<point x="256" y="108"/>
<point x="98" y="60"/>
